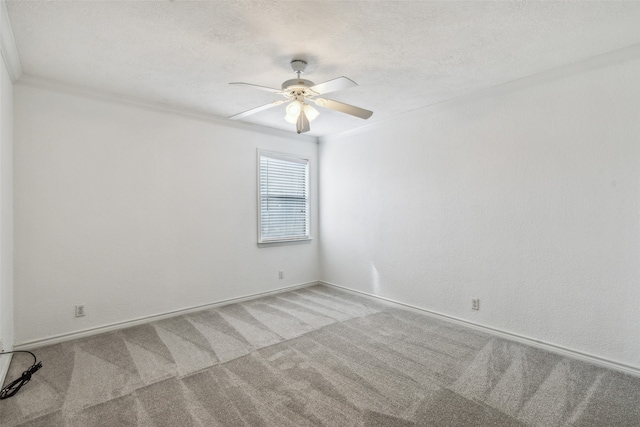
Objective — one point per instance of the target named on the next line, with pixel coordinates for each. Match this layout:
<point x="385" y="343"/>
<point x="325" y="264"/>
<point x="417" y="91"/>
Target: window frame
<point x="287" y="240"/>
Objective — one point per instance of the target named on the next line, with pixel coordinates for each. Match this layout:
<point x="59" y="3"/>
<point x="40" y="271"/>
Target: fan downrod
<point x="298" y="65"/>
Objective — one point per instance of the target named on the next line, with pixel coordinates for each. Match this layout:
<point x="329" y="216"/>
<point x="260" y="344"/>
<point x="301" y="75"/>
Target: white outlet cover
<point x="80" y="310"/>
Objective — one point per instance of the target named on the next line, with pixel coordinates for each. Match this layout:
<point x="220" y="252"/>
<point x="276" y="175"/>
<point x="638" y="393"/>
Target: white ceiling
<point x="404" y="55"/>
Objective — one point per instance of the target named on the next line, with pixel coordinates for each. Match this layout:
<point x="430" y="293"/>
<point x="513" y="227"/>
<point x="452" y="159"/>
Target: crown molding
<point x="8" y="47"/>
<point x="361" y="129"/>
<point x="110" y="97"/>
<point x="589" y="64"/>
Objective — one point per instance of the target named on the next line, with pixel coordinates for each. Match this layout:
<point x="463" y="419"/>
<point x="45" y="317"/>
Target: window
<point x="283" y="198"/>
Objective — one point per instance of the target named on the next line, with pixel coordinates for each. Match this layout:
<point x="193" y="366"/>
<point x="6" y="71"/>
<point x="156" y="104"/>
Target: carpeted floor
<point x="316" y="356"/>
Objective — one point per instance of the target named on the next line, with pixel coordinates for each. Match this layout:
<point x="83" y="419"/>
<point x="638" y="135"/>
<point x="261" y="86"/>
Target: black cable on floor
<point x="11" y="389"/>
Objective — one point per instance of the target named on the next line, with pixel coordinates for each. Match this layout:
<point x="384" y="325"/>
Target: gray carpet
<point x="316" y="356"/>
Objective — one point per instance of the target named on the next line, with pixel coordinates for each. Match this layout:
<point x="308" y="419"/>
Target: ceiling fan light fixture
<point x="294" y="108"/>
<point x="293" y="111"/>
<point x="291" y="119"/>
<point x="302" y="125"/>
<point x="311" y="112"/>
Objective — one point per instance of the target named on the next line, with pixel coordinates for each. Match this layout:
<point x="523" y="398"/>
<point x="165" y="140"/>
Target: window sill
<point x="284" y="242"/>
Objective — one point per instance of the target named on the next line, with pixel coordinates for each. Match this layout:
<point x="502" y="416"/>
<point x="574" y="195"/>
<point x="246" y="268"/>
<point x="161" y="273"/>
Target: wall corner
<point x="8" y="47"/>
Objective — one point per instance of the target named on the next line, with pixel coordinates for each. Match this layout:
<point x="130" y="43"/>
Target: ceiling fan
<point x="299" y="92"/>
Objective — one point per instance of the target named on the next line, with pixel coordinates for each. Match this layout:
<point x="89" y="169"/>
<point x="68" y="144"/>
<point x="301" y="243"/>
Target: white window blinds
<point x="283" y="183"/>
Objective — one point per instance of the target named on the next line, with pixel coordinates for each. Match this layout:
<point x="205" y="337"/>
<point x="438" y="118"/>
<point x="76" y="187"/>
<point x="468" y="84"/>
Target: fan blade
<point x="333" y="85"/>
<point x="266" y="89"/>
<point x="343" y="108"/>
<point x="303" y="123"/>
<point x="256" y="110"/>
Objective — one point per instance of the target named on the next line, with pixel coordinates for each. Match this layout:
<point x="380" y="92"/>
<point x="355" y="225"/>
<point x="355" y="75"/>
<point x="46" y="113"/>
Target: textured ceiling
<point x="404" y="55"/>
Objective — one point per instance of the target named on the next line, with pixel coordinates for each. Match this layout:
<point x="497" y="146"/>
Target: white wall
<point x="526" y="196"/>
<point x="6" y="209"/>
<point x="136" y="212"/>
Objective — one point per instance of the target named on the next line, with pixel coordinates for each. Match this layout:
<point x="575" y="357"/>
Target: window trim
<point x="291" y="240"/>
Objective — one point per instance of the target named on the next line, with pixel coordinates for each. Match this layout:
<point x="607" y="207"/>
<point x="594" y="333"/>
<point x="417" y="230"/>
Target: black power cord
<point x="15" y="386"/>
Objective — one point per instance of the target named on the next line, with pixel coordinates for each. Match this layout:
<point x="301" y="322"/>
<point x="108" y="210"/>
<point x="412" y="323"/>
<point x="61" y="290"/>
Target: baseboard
<point x="5" y="361"/>
<point x="563" y="351"/>
<point x="29" y="345"/>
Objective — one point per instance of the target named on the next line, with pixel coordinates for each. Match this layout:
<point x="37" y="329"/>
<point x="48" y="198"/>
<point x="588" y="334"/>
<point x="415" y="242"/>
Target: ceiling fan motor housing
<point x="297" y="83"/>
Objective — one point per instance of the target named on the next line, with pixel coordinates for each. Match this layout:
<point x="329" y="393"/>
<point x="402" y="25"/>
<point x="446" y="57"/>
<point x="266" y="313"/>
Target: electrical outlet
<point x="280" y="274"/>
<point x="80" y="310"/>
<point x="475" y="304"/>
